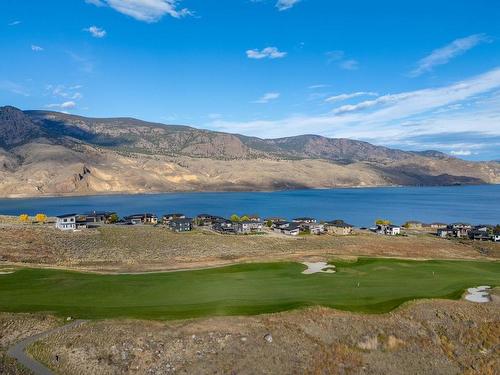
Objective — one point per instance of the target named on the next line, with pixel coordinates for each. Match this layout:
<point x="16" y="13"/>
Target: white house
<point x="66" y="222"/>
<point x="392" y="230"/>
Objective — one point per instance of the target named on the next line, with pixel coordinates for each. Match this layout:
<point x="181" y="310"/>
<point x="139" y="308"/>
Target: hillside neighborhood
<point x="254" y="224"/>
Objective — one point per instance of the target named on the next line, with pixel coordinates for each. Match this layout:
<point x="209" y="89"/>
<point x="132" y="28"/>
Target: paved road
<point x="18" y="351"/>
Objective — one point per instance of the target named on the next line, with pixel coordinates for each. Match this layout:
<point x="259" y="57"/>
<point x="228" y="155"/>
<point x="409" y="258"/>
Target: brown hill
<point x="49" y="153"/>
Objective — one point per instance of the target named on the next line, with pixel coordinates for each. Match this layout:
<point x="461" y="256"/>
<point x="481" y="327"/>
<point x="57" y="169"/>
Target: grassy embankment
<point x="245" y="289"/>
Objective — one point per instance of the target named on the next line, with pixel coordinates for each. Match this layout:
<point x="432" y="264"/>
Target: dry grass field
<point x="144" y="248"/>
<point x="425" y="337"/>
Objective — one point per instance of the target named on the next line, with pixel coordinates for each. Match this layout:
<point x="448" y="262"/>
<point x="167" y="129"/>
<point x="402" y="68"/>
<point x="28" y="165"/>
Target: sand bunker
<point x="479" y="295"/>
<point x="318" y="267"/>
<point x="6" y="272"/>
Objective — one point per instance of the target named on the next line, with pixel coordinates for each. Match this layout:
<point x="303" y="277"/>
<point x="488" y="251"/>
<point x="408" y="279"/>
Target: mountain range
<point x="52" y="153"/>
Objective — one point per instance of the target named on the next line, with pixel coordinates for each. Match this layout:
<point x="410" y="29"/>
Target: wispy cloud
<point x="65" y="105"/>
<point x="319" y="86"/>
<point x="286" y="4"/>
<point x="144" y="10"/>
<point x="341" y="97"/>
<point x="14" y="23"/>
<point x="36" y="48"/>
<point x="268" y="52"/>
<point x="396" y="118"/>
<point x="339" y="57"/>
<point x="444" y="54"/>
<point x="96" y="32"/>
<point x="14" y="88"/>
<point x="267" y="97"/>
<point x="461" y="152"/>
<point x="65" y="92"/>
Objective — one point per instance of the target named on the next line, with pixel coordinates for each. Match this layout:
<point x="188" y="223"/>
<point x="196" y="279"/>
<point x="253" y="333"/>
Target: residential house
<point x="293" y="229"/>
<point x="388" y="230"/>
<point x="413" y="225"/>
<point x="99" y="217"/>
<point x="460" y="229"/>
<point x="444" y="232"/>
<point x="224" y="226"/>
<point x="167" y="218"/>
<point x="479" y="235"/>
<point x="437" y="225"/>
<point x="307" y="220"/>
<point x="279" y="226"/>
<point x="246" y="227"/>
<point x="146" y="218"/>
<point x="66" y="222"/>
<point x="338" y="227"/>
<point x="254" y="218"/>
<point x="313" y="228"/>
<point x="181" y="224"/>
<point x="496" y="235"/>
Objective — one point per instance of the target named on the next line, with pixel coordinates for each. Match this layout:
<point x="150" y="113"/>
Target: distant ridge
<point x="51" y="153"/>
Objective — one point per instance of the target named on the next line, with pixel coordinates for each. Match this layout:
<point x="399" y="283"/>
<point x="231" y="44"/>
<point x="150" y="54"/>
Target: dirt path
<point x="18" y="351"/>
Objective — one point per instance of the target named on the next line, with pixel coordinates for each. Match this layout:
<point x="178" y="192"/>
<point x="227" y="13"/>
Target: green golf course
<point x="367" y="285"/>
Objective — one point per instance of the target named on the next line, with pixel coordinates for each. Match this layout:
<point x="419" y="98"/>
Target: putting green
<point x="241" y="289"/>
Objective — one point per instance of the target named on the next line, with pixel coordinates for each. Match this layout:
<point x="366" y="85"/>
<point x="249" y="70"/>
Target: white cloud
<point x="350" y="64"/>
<point x="14" y="23"/>
<point x="341" y="97"/>
<point x="96" y="32"/>
<point x="395" y="117"/>
<point x="36" y="48"/>
<point x="461" y="152"/>
<point x="319" y="86"/>
<point x="286" y="4"/>
<point x="267" y="97"/>
<point x="268" y="52"/>
<point x="145" y="10"/>
<point x="65" y="105"/>
<point x="444" y="54"/>
<point x="339" y="57"/>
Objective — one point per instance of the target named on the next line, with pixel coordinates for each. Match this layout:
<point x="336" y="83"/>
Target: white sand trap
<point x="479" y="295"/>
<point x="318" y="267"/>
<point x="6" y="272"/>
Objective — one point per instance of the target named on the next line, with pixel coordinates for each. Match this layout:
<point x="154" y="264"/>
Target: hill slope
<point x="47" y="153"/>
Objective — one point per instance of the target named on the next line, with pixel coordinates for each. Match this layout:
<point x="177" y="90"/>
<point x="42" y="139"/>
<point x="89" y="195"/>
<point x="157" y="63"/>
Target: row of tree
<point x="39" y="218"/>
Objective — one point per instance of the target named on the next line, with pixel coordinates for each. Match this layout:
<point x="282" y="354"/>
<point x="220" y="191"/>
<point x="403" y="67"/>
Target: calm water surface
<point x="474" y="204"/>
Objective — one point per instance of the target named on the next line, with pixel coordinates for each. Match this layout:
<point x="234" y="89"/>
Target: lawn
<point x="241" y="289"/>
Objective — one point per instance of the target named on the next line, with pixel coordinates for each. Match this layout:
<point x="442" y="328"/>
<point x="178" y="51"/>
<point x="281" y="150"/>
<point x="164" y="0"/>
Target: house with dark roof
<point x="338" y="227"/>
<point x="307" y="220"/>
<point x="167" y="218"/>
<point x="293" y="229"/>
<point x="145" y="218"/>
<point x="224" y="226"/>
<point x="181" y="225"/>
<point x="66" y="222"/>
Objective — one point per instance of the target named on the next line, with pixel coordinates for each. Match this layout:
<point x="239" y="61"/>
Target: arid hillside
<point x="50" y="153"/>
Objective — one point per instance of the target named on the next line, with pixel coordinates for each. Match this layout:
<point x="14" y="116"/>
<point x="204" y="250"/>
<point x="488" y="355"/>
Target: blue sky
<point x="409" y="74"/>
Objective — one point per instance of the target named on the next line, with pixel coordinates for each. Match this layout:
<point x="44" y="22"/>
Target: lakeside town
<point x="254" y="224"/>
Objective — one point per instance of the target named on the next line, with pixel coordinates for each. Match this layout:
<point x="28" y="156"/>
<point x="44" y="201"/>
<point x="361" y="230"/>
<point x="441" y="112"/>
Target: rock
<point x="268" y="337"/>
<point x="68" y="318"/>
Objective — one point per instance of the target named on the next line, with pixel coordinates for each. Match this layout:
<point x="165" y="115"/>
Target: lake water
<point x="361" y="207"/>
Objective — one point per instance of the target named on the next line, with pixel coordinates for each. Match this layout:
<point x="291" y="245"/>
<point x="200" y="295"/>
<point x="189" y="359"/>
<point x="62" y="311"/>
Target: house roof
<point x="292" y="226"/>
<point x="173" y="215"/>
<point x="182" y="221"/>
<point x="65" y="216"/>
<point x="304" y="219"/>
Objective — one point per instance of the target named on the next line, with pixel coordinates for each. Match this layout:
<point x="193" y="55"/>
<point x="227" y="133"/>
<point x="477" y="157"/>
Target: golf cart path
<point x="18" y="351"/>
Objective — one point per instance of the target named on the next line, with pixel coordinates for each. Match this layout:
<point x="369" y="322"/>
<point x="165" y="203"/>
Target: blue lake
<point x="361" y="207"/>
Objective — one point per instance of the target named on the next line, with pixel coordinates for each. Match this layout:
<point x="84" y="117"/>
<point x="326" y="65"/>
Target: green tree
<point x="113" y="218"/>
<point x="245" y="218"/>
<point x="382" y="222"/>
<point x="235" y="217"/>
<point x="269" y="223"/>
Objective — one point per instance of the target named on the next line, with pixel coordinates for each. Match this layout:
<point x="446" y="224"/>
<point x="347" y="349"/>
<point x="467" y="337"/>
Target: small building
<point x="146" y="218"/>
<point x="388" y="230"/>
<point x="99" y="217"/>
<point x="413" y="225"/>
<point x="224" y="226"/>
<point x="437" y="225"/>
<point x="167" y="218"/>
<point x="444" y="232"/>
<point x="293" y="229"/>
<point x="307" y="220"/>
<point x="460" y="229"/>
<point x="247" y="227"/>
<point x="279" y="226"/>
<point x="181" y="225"/>
<point x="254" y="218"/>
<point x="66" y="222"/>
<point x="496" y="236"/>
<point x="479" y="235"/>
<point x="338" y="227"/>
<point x="313" y="228"/>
